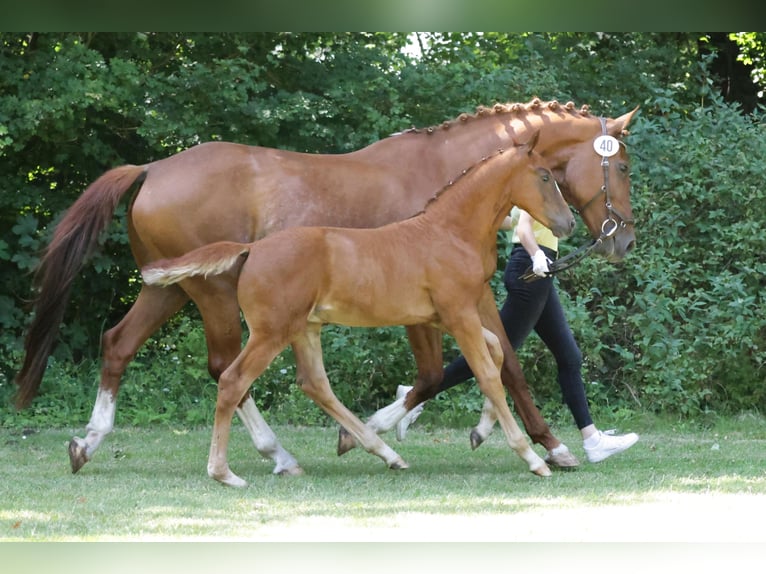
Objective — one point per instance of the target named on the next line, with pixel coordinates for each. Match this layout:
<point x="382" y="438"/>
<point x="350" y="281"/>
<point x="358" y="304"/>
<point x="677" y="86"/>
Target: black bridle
<point x="614" y="221"/>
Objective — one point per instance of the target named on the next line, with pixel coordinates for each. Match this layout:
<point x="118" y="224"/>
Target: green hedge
<point x="676" y="328"/>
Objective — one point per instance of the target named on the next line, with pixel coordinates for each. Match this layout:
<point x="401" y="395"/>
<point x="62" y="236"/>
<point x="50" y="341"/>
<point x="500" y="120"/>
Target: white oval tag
<point x="606" y="146"/>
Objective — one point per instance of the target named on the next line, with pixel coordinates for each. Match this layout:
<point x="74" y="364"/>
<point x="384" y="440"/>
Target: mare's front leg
<point x="152" y="308"/>
<point x="426" y="344"/>
<point x="313" y="381"/>
<point x="484" y="354"/>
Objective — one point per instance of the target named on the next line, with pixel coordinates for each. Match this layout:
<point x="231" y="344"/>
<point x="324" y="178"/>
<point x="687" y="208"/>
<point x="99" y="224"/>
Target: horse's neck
<point x="475" y="205"/>
<point x="442" y="153"/>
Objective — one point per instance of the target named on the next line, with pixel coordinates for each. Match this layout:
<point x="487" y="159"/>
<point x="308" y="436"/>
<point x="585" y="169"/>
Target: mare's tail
<point x="73" y="241"/>
<point x="212" y="259"/>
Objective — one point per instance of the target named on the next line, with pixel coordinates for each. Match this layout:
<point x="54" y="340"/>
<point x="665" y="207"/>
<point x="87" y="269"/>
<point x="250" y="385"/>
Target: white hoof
<point x="228" y="478"/>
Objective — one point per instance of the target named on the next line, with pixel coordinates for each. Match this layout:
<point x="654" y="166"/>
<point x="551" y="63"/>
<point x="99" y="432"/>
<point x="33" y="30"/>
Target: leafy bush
<point x="675" y="328"/>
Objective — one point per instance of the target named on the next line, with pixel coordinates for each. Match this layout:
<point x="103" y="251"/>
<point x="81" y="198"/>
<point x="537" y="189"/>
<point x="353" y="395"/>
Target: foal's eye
<point x="546" y="177"/>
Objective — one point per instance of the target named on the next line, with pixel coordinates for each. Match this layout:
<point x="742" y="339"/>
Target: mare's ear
<point x="532" y="142"/>
<point x="616" y="126"/>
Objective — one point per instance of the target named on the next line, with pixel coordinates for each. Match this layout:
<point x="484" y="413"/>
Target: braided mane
<point x="536" y="105"/>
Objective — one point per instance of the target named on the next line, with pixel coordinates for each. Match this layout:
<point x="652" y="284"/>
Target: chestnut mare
<point x="224" y="191"/>
<point x="433" y="268"/>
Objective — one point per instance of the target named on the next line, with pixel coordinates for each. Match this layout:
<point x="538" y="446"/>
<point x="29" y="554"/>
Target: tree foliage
<point x="676" y="327"/>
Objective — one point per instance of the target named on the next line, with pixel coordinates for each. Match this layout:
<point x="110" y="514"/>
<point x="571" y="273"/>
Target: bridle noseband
<point x="614" y="221"/>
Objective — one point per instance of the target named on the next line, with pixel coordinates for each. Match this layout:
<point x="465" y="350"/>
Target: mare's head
<point x="535" y="191"/>
<point x="596" y="182"/>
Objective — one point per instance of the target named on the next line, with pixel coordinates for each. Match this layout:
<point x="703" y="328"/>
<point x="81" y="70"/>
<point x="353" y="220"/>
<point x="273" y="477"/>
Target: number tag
<point x="606" y="146"/>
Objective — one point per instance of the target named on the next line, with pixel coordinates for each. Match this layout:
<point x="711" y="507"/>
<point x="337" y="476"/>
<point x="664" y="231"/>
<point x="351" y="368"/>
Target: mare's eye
<point x="546" y="177"/>
<point x="624" y="167"/>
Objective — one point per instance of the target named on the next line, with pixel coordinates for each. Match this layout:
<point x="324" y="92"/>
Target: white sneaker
<point x="410" y="417"/>
<point x="609" y="444"/>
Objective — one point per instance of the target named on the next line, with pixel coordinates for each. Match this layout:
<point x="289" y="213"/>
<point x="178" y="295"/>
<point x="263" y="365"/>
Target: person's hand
<point x="540" y="263"/>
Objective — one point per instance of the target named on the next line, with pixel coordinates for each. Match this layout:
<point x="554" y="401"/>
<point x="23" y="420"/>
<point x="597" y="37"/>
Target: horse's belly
<point x="381" y="314"/>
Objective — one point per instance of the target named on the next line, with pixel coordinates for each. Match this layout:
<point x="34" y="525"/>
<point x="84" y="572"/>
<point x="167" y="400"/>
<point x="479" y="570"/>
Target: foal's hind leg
<point x="233" y="384"/>
<point x="224" y="339"/>
<point x="265" y="440"/>
<point x="152" y="308"/>
<point x="426" y="344"/>
<point x="313" y="381"/>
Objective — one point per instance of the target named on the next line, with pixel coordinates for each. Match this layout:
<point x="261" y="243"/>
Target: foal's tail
<point x="75" y="237"/>
<point x="212" y="259"/>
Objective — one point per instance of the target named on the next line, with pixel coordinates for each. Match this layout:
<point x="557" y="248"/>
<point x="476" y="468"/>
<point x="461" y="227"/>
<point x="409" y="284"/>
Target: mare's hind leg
<point x="152" y="308"/>
<point x="426" y="345"/>
<point x="265" y="440"/>
<point x="484" y="354"/>
<point x="313" y="381"/>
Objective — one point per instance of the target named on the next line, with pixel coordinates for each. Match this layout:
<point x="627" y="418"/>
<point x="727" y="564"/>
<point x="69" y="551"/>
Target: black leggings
<point x="536" y="306"/>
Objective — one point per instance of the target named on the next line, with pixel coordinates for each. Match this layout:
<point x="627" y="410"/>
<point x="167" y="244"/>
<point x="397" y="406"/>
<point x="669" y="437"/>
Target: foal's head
<point x="536" y="191"/>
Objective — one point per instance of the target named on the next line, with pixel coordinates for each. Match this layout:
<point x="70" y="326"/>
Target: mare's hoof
<point x="476" y="439"/>
<point x="292" y="471"/>
<point x="564" y="461"/>
<point x="346" y="441"/>
<point x="78" y="454"/>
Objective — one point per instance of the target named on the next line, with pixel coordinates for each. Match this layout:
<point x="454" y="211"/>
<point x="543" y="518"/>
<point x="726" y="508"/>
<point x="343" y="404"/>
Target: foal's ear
<point x="532" y="142"/>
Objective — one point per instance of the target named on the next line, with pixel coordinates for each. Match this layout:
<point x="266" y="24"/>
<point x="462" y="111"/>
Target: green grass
<point x="679" y="483"/>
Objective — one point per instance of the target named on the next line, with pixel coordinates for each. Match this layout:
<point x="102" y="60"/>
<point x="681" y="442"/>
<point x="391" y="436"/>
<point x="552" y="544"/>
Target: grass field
<point x="678" y="484"/>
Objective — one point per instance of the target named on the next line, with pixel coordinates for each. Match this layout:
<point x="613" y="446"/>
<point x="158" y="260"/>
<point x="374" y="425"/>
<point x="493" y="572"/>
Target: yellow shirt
<point x="542" y="234"/>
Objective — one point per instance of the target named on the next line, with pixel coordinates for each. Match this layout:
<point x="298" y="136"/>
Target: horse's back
<point x="221" y="191"/>
<point x="283" y="274"/>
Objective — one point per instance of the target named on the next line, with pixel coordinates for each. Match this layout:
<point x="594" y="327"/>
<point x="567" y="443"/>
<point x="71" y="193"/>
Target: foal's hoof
<point x="542" y="470"/>
<point x="476" y="439"/>
<point x="399" y="465"/>
<point x="78" y="454"/>
<point x="228" y="479"/>
<point x="346" y="441"/>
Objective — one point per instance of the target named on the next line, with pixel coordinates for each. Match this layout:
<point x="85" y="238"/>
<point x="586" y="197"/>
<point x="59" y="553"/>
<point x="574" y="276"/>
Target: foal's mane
<point x="460" y="176"/>
<point x="536" y="105"/>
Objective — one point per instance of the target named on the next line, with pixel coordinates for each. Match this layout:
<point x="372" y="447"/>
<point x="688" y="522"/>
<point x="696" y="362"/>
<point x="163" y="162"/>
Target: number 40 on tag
<point x="606" y="146"/>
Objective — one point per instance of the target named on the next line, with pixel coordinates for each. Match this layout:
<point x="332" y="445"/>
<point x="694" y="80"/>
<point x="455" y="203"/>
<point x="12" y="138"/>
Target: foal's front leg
<point x="514" y="380"/>
<point x="483" y="352"/>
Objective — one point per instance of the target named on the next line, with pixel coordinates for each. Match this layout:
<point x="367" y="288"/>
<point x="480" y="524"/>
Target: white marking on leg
<point x="101" y="421"/>
<point x="386" y="418"/>
<point x="102" y="418"/>
<point x="265" y="440"/>
<point x="487" y="420"/>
